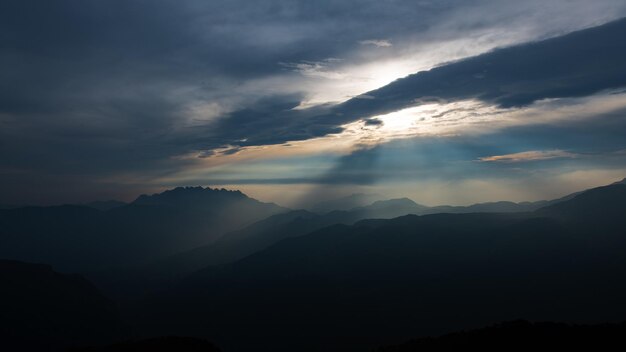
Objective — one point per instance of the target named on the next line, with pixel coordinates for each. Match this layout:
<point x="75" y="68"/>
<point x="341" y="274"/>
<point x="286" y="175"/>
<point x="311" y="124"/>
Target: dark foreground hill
<point x="41" y="310"/>
<point x="520" y="334"/>
<point x="158" y="344"/>
<point x="346" y="288"/>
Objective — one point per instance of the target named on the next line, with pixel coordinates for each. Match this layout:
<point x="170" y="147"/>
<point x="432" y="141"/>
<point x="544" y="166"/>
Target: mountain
<point x="599" y="207"/>
<point x="345" y="203"/>
<point x="491" y="207"/>
<point x="236" y="245"/>
<point x="354" y="287"/>
<point x="390" y="208"/>
<point x="352" y="203"/>
<point x="523" y="334"/>
<point x="79" y="238"/>
<point x="260" y="235"/>
<point x="622" y="182"/>
<point x="42" y="310"/>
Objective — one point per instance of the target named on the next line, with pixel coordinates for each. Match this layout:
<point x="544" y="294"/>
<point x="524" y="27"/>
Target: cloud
<point x="531" y="155"/>
<point x="315" y="68"/>
<point x="575" y="65"/>
<point x="373" y="122"/>
<point x="364" y="96"/>
<point x="117" y="92"/>
<point x="510" y="152"/>
<point x="381" y="43"/>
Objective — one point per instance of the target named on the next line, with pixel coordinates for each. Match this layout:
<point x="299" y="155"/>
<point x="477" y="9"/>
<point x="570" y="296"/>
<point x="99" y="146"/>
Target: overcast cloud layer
<point x="105" y="98"/>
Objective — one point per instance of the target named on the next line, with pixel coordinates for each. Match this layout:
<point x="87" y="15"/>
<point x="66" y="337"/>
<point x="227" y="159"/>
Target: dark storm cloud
<point x="71" y="52"/>
<point x="99" y="91"/>
<point x="110" y="81"/>
<point x="578" y="64"/>
<point x="575" y="65"/>
<point x="373" y="122"/>
<point x="271" y="120"/>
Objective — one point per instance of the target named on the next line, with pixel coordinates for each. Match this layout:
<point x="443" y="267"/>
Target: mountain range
<point x="262" y="234"/>
<point x="82" y="239"/>
<point x="352" y="287"/>
<point x="218" y="265"/>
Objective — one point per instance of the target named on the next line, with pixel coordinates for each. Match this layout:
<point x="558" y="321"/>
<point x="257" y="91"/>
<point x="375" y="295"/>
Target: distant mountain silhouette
<point x="258" y="236"/>
<point x="41" y="310"/>
<point x="599" y="207"/>
<point x="517" y="335"/>
<point x="79" y="238"/>
<point x="158" y="344"/>
<point x="391" y="208"/>
<point x="247" y="274"/>
<point x="623" y="182"/>
<point x="345" y="203"/>
<point x="153" y="227"/>
<point x="491" y="207"/>
<point x="368" y="200"/>
<point x="345" y="288"/>
<point x="236" y="245"/>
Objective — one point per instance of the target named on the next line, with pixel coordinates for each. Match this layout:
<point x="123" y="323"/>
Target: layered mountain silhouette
<point x="352" y="287"/>
<point x="99" y="235"/>
<point x="81" y="238"/>
<point x="42" y="310"/>
<point x="260" y="235"/>
<point x="218" y="265"/>
<point x="359" y="200"/>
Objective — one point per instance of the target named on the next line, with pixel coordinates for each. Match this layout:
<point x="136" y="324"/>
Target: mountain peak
<point x="597" y="203"/>
<point x="189" y="195"/>
<point x="346" y="203"/>
<point x="622" y="182"/>
<point x="393" y="202"/>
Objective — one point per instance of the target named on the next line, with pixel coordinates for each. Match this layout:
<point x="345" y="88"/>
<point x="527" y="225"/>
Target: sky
<point x="445" y="102"/>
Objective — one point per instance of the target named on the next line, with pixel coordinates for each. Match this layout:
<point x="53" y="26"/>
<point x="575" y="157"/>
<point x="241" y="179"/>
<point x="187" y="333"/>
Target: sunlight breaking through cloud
<point x="473" y="117"/>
